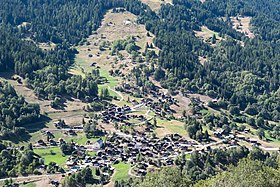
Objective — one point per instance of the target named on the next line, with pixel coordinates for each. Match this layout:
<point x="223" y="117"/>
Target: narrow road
<point x="130" y="172"/>
<point x="118" y="93"/>
<point x="147" y="113"/>
<point x="201" y="146"/>
<point x="270" y="148"/>
<point x="137" y="106"/>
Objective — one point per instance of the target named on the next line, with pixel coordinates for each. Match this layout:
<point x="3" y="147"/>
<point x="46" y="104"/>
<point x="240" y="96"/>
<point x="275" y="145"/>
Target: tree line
<point x="15" y="112"/>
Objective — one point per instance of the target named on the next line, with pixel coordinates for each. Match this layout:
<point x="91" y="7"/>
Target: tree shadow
<point x="38" y="125"/>
<point x="25" y="137"/>
<point x="60" y="106"/>
<point x="35" y="126"/>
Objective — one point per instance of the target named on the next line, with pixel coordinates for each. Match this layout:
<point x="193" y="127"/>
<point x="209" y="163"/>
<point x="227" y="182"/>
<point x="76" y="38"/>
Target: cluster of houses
<point x="142" y="152"/>
<point x="234" y="137"/>
<point x="161" y="107"/>
<point x="127" y="88"/>
<point x="247" y="139"/>
<point x="163" y="97"/>
<point x="155" y="100"/>
<point x="115" y="114"/>
<point x="60" y="124"/>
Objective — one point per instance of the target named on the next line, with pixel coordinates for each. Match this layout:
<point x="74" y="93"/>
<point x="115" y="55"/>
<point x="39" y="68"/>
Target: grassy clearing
<point x="170" y="127"/>
<point x="112" y="82"/>
<point x="177" y="128"/>
<point x="121" y="103"/>
<point x="83" y="139"/>
<point x="209" y="32"/>
<point x="93" y="153"/>
<point x="188" y="156"/>
<point x="134" y="121"/>
<point x="51" y="155"/>
<point x="82" y="67"/>
<point x="140" y="112"/>
<point x="275" y="141"/>
<point x="121" y="171"/>
<point x="155" y="4"/>
<point x="206" y="34"/>
<point x="77" y="71"/>
<point x="204" y="112"/>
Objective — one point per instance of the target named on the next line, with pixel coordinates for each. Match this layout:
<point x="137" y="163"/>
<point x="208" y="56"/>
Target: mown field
<point x="121" y="171"/>
<point x="52" y="154"/>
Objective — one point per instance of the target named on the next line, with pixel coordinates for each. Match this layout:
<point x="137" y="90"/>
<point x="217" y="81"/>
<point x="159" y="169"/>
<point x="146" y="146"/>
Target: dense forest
<point x="242" y="73"/>
<point x="47" y="71"/>
<point x="15" y="112"/>
<point x="60" y="21"/>
<point x="244" y="76"/>
<point x="16" y="162"/>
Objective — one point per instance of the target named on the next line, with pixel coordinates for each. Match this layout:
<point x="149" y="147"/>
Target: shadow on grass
<point x="25" y="136"/>
<point x="22" y="135"/>
<point x="38" y="125"/>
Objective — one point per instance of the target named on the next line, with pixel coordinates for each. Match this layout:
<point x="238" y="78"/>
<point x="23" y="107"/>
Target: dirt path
<point x="147" y="113"/>
<point x="111" y="182"/>
<point x="130" y="172"/>
<point x="118" y="93"/>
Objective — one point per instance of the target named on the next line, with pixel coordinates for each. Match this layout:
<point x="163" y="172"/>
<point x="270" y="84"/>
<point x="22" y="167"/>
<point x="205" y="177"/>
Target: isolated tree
<point x="261" y="133"/>
<point x="184" y="113"/>
<point x="214" y="39"/>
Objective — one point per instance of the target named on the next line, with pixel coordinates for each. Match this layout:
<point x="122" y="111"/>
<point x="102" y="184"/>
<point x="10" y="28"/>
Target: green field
<point x="121" y="171"/>
<point x="173" y="126"/>
<point x="188" y="156"/>
<point x="81" y="68"/>
<point x="270" y="138"/>
<point x="204" y="111"/>
<point x="83" y="139"/>
<point x="210" y="32"/>
<point x="51" y="155"/>
<point x="93" y="153"/>
<point x="112" y="82"/>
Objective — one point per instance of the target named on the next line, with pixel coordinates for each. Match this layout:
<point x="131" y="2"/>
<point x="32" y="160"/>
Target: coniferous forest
<point x="241" y="73"/>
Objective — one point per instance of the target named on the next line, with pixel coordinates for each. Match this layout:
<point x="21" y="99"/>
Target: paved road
<point x="269" y="148"/>
<point x="137" y="106"/>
